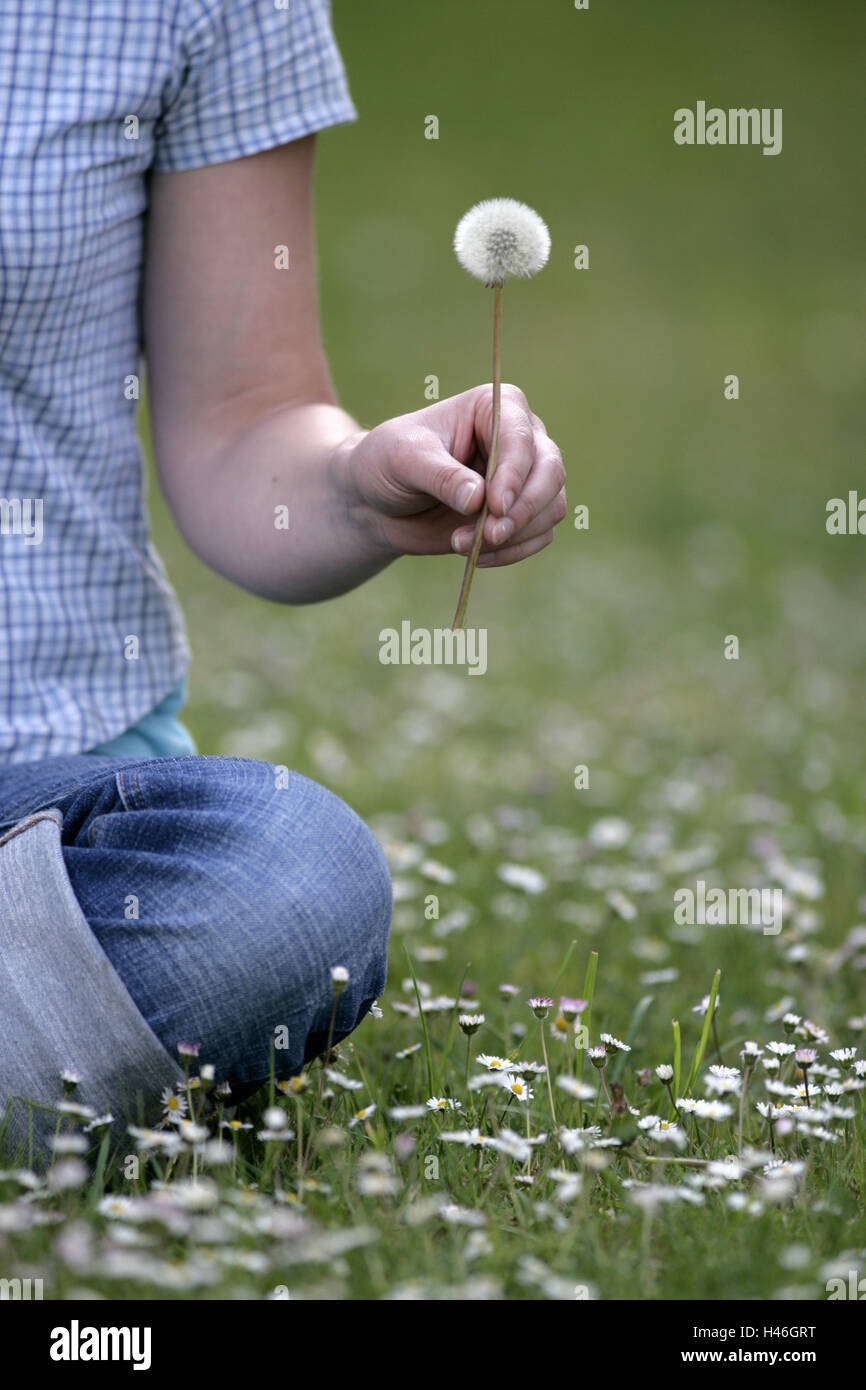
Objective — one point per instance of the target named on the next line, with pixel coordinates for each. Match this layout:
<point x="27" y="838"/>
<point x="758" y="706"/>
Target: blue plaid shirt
<point x="93" y="94"/>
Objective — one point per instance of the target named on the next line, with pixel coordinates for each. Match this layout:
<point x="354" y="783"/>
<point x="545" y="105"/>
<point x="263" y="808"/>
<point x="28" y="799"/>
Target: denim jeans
<point x="223" y="891"/>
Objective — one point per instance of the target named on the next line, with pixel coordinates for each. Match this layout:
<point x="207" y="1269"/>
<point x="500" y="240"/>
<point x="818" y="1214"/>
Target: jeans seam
<point x="129" y="795"/>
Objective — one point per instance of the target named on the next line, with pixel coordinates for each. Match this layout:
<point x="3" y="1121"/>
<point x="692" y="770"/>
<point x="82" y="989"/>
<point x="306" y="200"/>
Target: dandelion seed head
<point x="500" y="239"/>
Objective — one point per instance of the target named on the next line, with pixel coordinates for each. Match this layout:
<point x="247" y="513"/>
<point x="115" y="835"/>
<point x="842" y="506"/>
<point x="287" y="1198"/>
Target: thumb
<point x="420" y="462"/>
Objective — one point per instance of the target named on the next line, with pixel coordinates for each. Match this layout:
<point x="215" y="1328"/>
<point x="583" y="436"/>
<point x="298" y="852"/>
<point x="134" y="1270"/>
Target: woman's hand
<point x="415" y="483"/>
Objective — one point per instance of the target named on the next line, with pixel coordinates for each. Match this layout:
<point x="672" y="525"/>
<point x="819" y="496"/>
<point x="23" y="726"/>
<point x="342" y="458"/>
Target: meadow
<point x="540" y="820"/>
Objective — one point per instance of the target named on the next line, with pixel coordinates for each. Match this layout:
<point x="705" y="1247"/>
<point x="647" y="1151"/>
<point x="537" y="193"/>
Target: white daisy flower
<point x="173" y="1105"/>
<point x="665" y="1072"/>
<point x="521" y="876"/>
<point x="361" y="1115"/>
<point x="713" y="1110"/>
<point x="517" y="1086"/>
<point x="443" y="1103"/>
<point x="663" y="1132"/>
<point x="578" y="1089"/>
<point x="844" y="1056"/>
<point x="492" y="1063"/>
<point x="473" y="1138"/>
<point x="346" y="1083"/>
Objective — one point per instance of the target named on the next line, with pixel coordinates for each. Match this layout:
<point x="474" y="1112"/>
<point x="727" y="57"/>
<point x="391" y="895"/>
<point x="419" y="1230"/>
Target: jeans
<point x="223" y="891"/>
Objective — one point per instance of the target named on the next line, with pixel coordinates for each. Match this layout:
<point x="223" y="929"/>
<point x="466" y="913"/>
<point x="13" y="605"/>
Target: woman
<point x="155" y="178"/>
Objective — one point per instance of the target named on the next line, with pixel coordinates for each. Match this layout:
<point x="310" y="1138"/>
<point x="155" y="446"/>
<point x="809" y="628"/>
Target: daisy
<point x="713" y="1110"/>
<point x="571" y="1008"/>
<point x="443" y="1103"/>
<point x="665" y="1072"/>
<point x="521" y="876"/>
<point x="613" y="1044"/>
<point x="511" y="1145"/>
<point x="517" y="1086"/>
<point x="173" y="1105"/>
<point x="346" y="1083"/>
<point x="666" y="1133"/>
<point x="407" y="1051"/>
<point x="470" y="1023"/>
<point x="492" y="1063"/>
<point x="188" y="1049"/>
<point x="781" y="1049"/>
<point x="472" y="1138"/>
<point x="577" y="1089"/>
<point x="539" y="1004"/>
<point x="361" y="1115"/>
<point x="100" y="1122"/>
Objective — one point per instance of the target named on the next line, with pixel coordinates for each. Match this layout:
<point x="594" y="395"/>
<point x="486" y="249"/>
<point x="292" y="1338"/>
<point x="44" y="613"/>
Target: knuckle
<point x="560" y="507"/>
<point x="514" y="393"/>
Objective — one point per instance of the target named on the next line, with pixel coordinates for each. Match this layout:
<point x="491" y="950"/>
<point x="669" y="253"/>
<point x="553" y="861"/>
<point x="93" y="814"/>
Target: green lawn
<point x="707" y="519"/>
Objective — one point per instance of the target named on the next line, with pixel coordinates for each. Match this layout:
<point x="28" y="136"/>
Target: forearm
<point x="273" y="511"/>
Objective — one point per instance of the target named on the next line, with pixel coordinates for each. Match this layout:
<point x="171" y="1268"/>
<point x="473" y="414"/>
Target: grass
<point x="706" y="520"/>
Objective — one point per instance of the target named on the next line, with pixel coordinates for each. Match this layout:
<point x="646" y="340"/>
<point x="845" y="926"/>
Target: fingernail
<point x="508" y="501"/>
<point x="461" y="541"/>
<point x="464" y="496"/>
<point x="502" y="530"/>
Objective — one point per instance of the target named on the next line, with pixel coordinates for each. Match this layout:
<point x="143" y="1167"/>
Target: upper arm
<point x="226" y="333"/>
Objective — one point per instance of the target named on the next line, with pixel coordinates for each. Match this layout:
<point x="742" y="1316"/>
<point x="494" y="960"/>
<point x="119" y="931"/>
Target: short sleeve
<point x="256" y="75"/>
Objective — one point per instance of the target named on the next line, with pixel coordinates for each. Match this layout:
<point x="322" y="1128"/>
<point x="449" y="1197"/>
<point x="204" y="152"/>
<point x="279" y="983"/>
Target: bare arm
<point x="245" y="419"/>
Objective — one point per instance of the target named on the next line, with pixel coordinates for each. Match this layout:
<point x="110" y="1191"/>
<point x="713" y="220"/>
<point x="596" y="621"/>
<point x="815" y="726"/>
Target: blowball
<point x="501" y="239"/>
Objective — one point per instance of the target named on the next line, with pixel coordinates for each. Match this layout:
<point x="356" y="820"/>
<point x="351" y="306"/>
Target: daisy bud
<point x="665" y="1072"/>
<point x="790" y="1022"/>
<point x="339" y="978"/>
<point x="501" y="238"/>
<point x="539" y="1004"/>
<point x="844" y="1056"/>
<point x="275" y="1118"/>
<point x="70" y="1080"/>
<point x="598" y="1057"/>
<point x="470" y="1023"/>
<point x="208" y="1072"/>
<point x="187" y="1049"/>
<point x="570" y="1008"/>
<point x="805" y="1057"/>
<point x="644" y="1076"/>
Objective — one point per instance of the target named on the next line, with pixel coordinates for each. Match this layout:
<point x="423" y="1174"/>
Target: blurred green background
<point x="707" y="515"/>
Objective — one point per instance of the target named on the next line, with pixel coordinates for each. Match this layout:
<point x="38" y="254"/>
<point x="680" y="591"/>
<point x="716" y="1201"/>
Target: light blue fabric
<point x="94" y="94"/>
<point x="63" y="1004"/>
<point x="221" y="890"/>
<point x="158" y="735"/>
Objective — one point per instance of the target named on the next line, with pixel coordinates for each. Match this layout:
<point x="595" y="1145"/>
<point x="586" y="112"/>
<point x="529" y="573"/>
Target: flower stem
<point x="547" y="1074"/>
<point x="472" y="558"/>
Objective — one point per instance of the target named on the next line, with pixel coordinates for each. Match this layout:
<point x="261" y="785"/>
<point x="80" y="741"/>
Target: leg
<point x="224" y="898"/>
